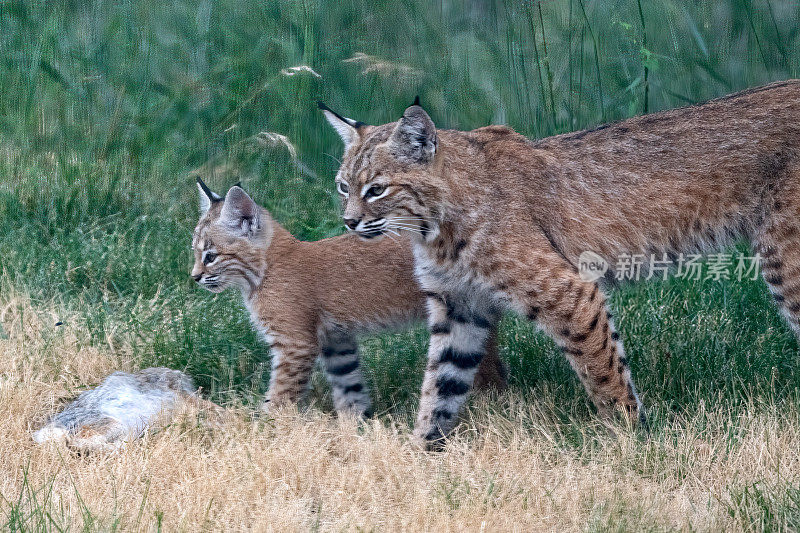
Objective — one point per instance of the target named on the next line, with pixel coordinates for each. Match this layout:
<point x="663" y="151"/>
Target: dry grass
<point x="509" y="468"/>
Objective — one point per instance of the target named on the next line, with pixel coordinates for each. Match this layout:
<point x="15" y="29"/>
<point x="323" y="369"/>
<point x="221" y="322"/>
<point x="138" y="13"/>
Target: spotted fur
<point x="499" y="221"/>
<point x="310" y="299"/>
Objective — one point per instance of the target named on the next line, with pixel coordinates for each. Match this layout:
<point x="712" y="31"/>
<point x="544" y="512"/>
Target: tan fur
<point x="313" y="298"/>
<point x="499" y="221"/>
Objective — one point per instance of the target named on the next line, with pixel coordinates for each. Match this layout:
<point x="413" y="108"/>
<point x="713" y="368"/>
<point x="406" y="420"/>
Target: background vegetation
<point x="108" y="110"/>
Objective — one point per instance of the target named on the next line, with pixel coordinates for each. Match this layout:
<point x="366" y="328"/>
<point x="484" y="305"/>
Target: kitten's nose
<point x="352" y="222"/>
<point x="197" y="277"/>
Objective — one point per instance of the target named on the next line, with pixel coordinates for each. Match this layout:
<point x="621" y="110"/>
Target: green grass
<point x="766" y="508"/>
<point x="106" y="109"/>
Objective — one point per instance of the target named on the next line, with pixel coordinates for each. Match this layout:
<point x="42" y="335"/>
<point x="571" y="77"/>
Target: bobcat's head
<point x="388" y="177"/>
<point x="230" y="240"/>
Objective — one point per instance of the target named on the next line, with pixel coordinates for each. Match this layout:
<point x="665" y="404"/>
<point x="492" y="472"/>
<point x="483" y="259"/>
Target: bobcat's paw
<point x="430" y="439"/>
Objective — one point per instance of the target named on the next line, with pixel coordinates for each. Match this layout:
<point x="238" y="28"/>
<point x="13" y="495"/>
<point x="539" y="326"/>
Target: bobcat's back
<point x="333" y="283"/>
<point x="683" y="180"/>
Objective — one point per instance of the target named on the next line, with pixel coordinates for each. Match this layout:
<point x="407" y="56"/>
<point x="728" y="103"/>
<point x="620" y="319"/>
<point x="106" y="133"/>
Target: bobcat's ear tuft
<point x="240" y="213"/>
<point x="414" y="138"/>
<point x="207" y="198"/>
<point x="347" y="128"/>
<point x="416" y="101"/>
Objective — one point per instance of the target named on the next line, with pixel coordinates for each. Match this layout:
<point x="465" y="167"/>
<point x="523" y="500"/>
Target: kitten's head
<point x="388" y="179"/>
<point x="230" y="240"/>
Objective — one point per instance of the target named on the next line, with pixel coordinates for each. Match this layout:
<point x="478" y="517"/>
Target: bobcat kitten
<point x="310" y="299"/>
<point x="499" y="222"/>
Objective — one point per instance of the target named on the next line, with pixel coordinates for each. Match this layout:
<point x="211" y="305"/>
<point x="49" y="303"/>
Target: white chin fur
<point x="216" y="289"/>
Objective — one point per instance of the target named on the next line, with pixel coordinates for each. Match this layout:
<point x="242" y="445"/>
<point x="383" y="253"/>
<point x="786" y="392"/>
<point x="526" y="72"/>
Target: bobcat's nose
<point x="351" y="223"/>
<point x="197" y="277"/>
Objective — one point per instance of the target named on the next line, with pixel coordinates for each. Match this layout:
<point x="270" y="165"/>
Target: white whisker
<point x="406" y="219"/>
<point x="405" y="228"/>
<point x="391" y="231"/>
<point x="403" y="225"/>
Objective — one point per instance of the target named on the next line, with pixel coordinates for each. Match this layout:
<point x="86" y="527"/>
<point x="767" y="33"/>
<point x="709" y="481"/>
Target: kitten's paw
<point x="358" y="406"/>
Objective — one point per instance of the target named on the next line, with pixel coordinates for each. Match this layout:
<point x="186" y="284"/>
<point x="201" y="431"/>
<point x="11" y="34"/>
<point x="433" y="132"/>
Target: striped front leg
<point x="340" y="361"/>
<point x="292" y="363"/>
<point x="458" y="339"/>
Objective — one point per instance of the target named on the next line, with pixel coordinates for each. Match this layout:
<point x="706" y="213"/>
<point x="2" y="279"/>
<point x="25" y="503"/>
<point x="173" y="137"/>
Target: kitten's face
<point x="211" y="261"/>
<point x="230" y="242"/>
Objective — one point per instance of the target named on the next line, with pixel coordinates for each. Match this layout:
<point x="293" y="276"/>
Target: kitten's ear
<point x="414" y="138"/>
<point x="348" y="129"/>
<point x="240" y="213"/>
<point x="207" y="198"/>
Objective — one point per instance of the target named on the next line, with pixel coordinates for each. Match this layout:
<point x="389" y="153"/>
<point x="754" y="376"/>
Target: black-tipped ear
<point x="414" y="139"/>
<point x="240" y="213"/>
<point x="207" y="197"/>
<point x="239" y="184"/>
<point x="347" y="128"/>
<point x="416" y="101"/>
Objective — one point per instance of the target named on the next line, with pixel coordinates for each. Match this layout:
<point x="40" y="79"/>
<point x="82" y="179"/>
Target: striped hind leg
<point x="492" y="371"/>
<point x="778" y="244"/>
<point x="339" y="356"/>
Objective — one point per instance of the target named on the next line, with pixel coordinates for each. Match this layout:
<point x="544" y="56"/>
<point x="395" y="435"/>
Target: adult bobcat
<point x="499" y="221"/>
<point x="310" y="298"/>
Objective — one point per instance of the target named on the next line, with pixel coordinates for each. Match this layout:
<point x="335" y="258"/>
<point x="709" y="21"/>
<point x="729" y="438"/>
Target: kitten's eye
<point x="209" y="258"/>
<point x="343" y="188"/>
<point x="376" y="190"/>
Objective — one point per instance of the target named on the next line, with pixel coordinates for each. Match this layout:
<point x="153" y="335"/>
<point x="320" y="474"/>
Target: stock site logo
<point x="591" y="266"/>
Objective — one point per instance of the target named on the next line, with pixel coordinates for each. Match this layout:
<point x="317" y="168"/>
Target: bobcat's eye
<point x="375" y="190"/>
<point x="209" y="258"/>
<point x="344" y="190"/>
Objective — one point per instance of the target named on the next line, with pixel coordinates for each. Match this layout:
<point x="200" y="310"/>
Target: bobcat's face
<point x="212" y="262"/>
<point x="230" y="241"/>
<point x="385" y="177"/>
